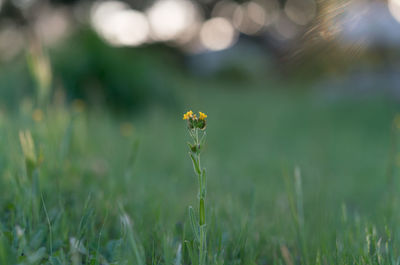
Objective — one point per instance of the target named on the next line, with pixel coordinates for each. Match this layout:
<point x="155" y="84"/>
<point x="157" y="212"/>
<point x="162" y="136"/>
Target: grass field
<point x="293" y="178"/>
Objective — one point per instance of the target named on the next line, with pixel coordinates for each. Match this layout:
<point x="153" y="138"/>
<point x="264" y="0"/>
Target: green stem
<point x="201" y="198"/>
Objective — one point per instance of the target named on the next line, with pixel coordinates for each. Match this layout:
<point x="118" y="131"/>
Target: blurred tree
<point x="120" y="77"/>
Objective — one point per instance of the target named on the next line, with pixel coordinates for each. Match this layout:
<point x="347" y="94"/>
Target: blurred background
<point x="306" y="84"/>
<point x="295" y="82"/>
<point x="131" y="54"/>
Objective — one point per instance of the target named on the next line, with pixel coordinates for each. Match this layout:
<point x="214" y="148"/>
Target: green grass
<point x="106" y="197"/>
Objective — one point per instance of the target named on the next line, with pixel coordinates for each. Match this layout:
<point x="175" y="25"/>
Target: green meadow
<point x="293" y="177"/>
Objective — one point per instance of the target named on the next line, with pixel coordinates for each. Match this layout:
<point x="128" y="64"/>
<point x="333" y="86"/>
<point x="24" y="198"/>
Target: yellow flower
<point x="188" y="115"/>
<point x="203" y="116"/>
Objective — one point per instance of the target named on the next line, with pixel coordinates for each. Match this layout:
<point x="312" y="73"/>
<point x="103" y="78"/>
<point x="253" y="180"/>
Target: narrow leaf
<point x="195" y="165"/>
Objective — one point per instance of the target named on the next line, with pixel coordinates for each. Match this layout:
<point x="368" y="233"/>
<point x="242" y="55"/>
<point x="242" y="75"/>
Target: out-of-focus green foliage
<point x="85" y="67"/>
<point x="126" y="78"/>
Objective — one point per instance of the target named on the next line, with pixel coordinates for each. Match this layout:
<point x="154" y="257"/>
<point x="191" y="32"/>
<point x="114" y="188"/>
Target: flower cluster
<point x="194" y="121"/>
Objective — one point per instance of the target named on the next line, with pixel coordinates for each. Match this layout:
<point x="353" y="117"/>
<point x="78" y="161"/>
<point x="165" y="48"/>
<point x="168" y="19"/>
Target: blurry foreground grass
<point x="114" y="190"/>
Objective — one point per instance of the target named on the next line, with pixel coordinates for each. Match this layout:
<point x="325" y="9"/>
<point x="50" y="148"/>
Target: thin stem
<point x="201" y="197"/>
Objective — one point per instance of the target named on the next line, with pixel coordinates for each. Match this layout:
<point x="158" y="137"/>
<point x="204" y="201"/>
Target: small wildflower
<point x="203" y="116"/>
<point x="188" y="115"/>
<point x="195" y="122"/>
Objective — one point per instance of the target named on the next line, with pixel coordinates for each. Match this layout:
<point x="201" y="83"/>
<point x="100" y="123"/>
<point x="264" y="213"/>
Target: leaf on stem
<point x="195" y="164"/>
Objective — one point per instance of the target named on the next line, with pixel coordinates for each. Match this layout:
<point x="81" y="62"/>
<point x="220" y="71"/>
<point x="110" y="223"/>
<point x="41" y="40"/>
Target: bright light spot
<point x="119" y="25"/>
<point x="102" y="10"/>
<point x="128" y="27"/>
<point x="171" y="18"/>
<point x="217" y="34"/>
<point x="256" y="13"/>
<point x="249" y="18"/>
<point x="301" y="12"/>
<point x="394" y="8"/>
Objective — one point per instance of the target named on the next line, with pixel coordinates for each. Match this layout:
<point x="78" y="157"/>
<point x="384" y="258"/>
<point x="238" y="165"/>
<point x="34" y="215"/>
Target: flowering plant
<point x="197" y="126"/>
